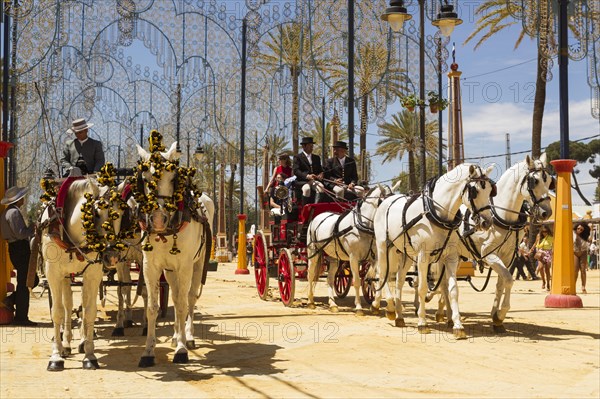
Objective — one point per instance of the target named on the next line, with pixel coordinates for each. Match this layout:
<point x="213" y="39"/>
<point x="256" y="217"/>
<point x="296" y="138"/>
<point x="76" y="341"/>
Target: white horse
<point x="346" y="237"/>
<point x="421" y="228"/>
<point x="525" y="182"/>
<point x="60" y="262"/>
<point x="163" y="202"/>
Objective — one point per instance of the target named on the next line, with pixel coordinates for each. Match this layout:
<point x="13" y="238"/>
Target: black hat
<point x="307" y="140"/>
<point x="340" y="144"/>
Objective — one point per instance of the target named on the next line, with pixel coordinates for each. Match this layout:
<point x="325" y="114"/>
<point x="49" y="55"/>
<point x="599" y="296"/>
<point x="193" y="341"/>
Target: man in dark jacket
<point x="14" y="230"/>
<point x="341" y="174"/>
<point x="83" y="152"/>
<point x="308" y="171"/>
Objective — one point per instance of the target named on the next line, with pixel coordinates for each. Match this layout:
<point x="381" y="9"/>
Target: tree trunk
<point x="412" y="185"/>
<point x="295" y="107"/>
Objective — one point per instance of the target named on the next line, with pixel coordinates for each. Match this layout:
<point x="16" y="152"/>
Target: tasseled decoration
<point x="174" y="250"/>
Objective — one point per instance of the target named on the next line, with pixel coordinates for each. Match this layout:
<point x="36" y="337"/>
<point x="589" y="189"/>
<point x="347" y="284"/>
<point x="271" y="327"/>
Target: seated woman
<point x="277" y="204"/>
<point x="285" y="167"/>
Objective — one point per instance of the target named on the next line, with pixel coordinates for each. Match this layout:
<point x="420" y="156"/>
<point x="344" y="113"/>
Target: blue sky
<point x="498" y="83"/>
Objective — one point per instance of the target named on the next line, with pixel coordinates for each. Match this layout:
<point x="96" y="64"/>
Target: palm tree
<point x="292" y="48"/>
<point x="317" y="131"/>
<point x="497" y="15"/>
<point x="402" y="136"/>
<point x="370" y="65"/>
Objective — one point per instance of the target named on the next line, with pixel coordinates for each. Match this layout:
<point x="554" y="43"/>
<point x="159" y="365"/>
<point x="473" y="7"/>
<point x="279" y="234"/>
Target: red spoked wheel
<point x="260" y="257"/>
<point x="368" y="287"/>
<point x="343" y="279"/>
<point x="286" y="277"/>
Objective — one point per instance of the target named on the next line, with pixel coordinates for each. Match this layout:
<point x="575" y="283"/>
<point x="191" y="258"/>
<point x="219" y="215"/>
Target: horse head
<point x="157" y="179"/>
<point x="535" y="185"/>
<point x="476" y="194"/>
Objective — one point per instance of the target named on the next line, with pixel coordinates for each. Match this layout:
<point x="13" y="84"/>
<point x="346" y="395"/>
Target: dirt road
<point x="251" y="348"/>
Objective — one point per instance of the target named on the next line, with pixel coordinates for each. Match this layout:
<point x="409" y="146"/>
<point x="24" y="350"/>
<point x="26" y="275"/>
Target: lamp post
<point x="396" y="14"/>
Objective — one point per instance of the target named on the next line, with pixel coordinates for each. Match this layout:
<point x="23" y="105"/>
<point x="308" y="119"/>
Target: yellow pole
<point x="563" y="275"/>
<point x="212" y="248"/>
<point x="242" y="267"/>
<point x="5" y="265"/>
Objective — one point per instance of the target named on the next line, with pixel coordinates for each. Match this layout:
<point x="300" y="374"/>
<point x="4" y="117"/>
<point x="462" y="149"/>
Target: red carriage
<point x="281" y="252"/>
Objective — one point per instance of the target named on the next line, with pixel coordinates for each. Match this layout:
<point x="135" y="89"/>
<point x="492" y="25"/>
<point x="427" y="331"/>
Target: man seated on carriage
<point x="340" y="173"/>
<point x="308" y="172"/>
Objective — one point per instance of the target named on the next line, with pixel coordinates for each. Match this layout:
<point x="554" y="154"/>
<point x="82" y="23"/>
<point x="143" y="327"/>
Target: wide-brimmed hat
<point x="340" y="144"/>
<point x="307" y="140"/>
<point x="79" y="125"/>
<point x="14" y="194"/>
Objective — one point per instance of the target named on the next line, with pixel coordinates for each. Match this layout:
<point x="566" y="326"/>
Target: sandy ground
<point x="253" y="348"/>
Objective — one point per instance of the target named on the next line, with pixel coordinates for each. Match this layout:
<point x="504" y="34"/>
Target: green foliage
<point x="434" y="99"/>
<point x="411" y="101"/>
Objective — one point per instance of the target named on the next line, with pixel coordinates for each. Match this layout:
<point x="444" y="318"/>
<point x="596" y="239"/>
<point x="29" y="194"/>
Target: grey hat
<point x="14" y="194"/>
<point x="79" y="125"/>
<point x="307" y="140"/>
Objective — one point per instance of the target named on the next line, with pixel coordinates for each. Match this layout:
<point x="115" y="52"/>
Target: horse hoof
<point x="191" y="344"/>
<point x="450" y="323"/>
<point x="145" y="332"/>
<point x="459" y="333"/>
<point x="128" y="323"/>
<point x="360" y="312"/>
<point x="400" y="323"/>
<point x="90" y="364"/>
<point x="423" y="330"/>
<point x="374" y="309"/>
<point x="499" y="329"/>
<point x="495" y="319"/>
<point x="118" y="332"/>
<point x="390" y="315"/>
<point x="66" y="352"/>
<point x="56" y="365"/>
<point x="181" y="358"/>
<point x="81" y="348"/>
<point x="333" y="309"/>
<point x="146" y="361"/>
<point x="311" y="306"/>
<point x="439" y="318"/>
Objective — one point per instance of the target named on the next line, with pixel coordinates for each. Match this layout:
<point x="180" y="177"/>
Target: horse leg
<point x="422" y="262"/>
<point x="355" y="268"/>
<point x="193" y="295"/>
<point x="330" y="285"/>
<point x="57" y="361"/>
<point x="380" y="270"/>
<point x="391" y="297"/>
<point x="67" y="312"/>
<point x="313" y="261"/>
<point x="503" y="286"/>
<point x="151" y="278"/>
<point x="91" y="284"/>
<point x="180" y="286"/>
<point x="119" y="330"/>
<point x="451" y="266"/>
<point x="400" y="278"/>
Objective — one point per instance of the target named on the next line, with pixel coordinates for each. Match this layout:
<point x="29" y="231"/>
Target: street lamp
<point x="446" y="20"/>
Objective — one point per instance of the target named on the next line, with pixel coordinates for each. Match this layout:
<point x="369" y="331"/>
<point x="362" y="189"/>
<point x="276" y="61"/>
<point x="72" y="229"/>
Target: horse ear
<point x="143" y="153"/>
<point x="490" y="169"/>
<point x="94" y="186"/>
<point x="472" y="170"/>
<point x="172" y="154"/>
<point x="529" y="161"/>
<point x="543" y="159"/>
<point x="397" y="185"/>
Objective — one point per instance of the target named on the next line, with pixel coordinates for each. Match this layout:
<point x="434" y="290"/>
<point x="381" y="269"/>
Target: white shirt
<point x="342" y="160"/>
<point x="83" y="141"/>
<point x="308" y="156"/>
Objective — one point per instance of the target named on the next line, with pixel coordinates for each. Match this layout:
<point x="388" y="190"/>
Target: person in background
<point x="83" y="152"/>
<point x="594" y="248"/>
<point x="543" y="245"/>
<point x="275" y="202"/>
<point x="581" y="246"/>
<point x="521" y="259"/>
<point x="14" y="230"/>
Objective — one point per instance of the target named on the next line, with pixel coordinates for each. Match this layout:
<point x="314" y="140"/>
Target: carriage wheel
<point x="286" y="277"/>
<point x="368" y="287"/>
<point x="260" y="255"/>
<point x="343" y="279"/>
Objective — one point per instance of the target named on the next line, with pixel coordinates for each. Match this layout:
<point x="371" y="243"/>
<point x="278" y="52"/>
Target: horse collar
<point x="429" y="208"/>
